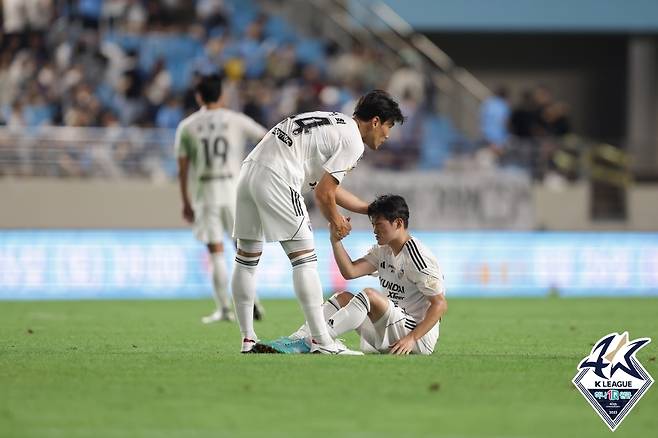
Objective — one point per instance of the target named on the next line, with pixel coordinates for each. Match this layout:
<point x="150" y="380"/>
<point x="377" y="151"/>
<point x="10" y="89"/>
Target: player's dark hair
<point x="380" y="104"/>
<point x="209" y="88"/>
<point x="390" y="207"/>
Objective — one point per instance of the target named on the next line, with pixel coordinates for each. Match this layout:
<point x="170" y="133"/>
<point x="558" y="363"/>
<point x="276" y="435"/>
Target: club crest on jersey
<point x="612" y="379"/>
<point x="401" y="274"/>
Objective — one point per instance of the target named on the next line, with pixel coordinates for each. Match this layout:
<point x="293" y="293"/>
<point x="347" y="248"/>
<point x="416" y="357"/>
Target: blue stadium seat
<point x="438" y="137"/>
<point x="311" y="51"/>
<point x="279" y="31"/>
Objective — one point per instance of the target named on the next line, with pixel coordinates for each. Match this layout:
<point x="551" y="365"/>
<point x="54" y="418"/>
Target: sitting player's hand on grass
<point x="404" y="345"/>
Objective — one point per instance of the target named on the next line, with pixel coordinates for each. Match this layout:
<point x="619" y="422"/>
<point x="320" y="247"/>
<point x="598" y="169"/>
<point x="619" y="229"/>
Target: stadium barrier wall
<point x="84" y="204"/>
<point x="140" y="264"/>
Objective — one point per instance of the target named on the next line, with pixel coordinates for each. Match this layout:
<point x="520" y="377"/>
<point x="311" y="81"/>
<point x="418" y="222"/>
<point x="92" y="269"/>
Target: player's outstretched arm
<point x="325" y="195"/>
<point x="350" y="269"/>
<point x="438" y="306"/>
<point x="350" y="201"/>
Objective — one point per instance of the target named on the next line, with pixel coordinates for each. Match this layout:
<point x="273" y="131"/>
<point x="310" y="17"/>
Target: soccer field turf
<point x="503" y="368"/>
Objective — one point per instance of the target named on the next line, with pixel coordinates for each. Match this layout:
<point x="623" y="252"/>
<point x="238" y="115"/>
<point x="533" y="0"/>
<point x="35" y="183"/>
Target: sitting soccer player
<point x="404" y="317"/>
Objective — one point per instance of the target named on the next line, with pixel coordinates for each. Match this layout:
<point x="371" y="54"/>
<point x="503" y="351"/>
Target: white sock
<point x="220" y="281"/>
<point x="243" y="285"/>
<point x="308" y="289"/>
<point x="329" y="307"/>
<point x="351" y="316"/>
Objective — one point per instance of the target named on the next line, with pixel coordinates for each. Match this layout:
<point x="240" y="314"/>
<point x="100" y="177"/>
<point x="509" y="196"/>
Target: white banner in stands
<point x="493" y="199"/>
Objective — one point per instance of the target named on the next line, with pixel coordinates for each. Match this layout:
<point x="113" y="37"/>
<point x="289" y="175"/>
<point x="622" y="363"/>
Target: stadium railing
<point x="133" y="152"/>
<point x="115" y="152"/>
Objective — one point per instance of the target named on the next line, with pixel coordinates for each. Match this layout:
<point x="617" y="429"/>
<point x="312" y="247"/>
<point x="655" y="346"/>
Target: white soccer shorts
<point x="391" y="327"/>
<point x="267" y="207"/>
<point x="212" y="221"/>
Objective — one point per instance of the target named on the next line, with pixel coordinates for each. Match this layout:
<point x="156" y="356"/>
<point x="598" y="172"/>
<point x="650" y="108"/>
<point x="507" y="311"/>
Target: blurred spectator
<point x="281" y="63"/>
<point x="253" y="48"/>
<point x="158" y="84"/>
<point x="5" y="85"/>
<point x="258" y="102"/>
<point x="360" y="65"/>
<point x="213" y="58"/>
<point x="538" y="123"/>
<point x="133" y="63"/>
<point x="555" y="118"/>
<point x="408" y="80"/>
<point x="494" y="119"/>
<point x="170" y="114"/>
<point x="15" y="118"/>
<point x="129" y="98"/>
<point x="542" y="99"/>
<point x="525" y="122"/>
<point x="310" y="87"/>
<point x="212" y="13"/>
<point x="26" y="15"/>
<point x="90" y="12"/>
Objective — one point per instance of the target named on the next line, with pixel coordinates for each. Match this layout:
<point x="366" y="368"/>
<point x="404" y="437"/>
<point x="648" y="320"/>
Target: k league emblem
<point x="611" y="378"/>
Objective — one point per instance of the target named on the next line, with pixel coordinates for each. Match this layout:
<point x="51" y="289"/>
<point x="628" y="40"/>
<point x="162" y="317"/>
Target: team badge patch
<point x="612" y="379"/>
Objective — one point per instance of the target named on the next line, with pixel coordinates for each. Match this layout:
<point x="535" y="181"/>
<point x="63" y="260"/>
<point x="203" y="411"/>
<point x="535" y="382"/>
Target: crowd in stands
<point x="134" y="63"/>
<point x="528" y="132"/>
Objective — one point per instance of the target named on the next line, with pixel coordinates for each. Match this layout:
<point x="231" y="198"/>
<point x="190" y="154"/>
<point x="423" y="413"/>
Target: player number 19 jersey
<point x="214" y="142"/>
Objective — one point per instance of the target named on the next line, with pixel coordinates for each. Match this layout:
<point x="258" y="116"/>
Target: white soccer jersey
<point x="214" y="142"/>
<point x="301" y="148"/>
<point x="406" y="279"/>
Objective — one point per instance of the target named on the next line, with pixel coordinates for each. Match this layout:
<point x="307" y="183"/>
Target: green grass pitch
<point x="150" y="369"/>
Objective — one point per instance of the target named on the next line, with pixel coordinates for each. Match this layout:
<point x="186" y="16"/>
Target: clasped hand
<point x="341" y="229"/>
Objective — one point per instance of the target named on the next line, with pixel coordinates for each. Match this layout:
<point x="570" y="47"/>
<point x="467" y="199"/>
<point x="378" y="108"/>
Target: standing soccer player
<point x="210" y="146"/>
<point x="403" y="317"/>
<point x="305" y="151"/>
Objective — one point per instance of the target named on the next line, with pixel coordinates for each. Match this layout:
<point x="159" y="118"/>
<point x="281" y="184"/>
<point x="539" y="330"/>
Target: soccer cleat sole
<point x="264" y="349"/>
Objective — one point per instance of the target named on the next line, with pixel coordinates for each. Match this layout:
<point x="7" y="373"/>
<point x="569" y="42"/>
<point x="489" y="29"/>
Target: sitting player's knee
<point x="372" y="293"/>
<point x="378" y="302"/>
<point x="343" y="298"/>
